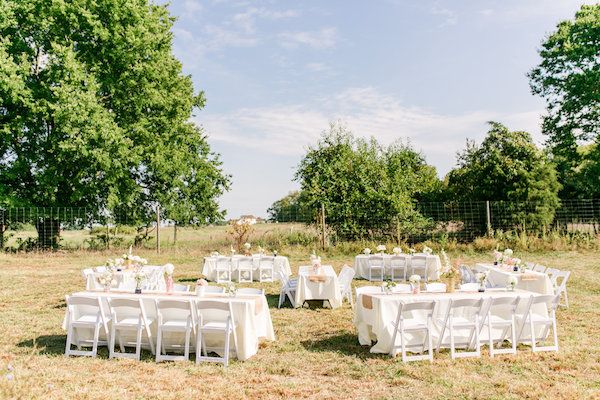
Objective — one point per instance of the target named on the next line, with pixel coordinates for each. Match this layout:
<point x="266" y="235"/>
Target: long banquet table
<point x="251" y="315"/>
<point x="532" y="281"/>
<point x="321" y="285"/>
<point x="361" y="265"/>
<point x="125" y="278"/>
<point x="281" y="263"/>
<point x="374" y="314"/>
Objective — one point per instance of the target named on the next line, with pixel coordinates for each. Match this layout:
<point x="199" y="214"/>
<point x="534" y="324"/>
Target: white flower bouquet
<point x="414" y="279"/>
<point x="381" y="248"/>
<point x="427" y="250"/>
<point x="169" y="268"/>
<point x="412" y="250"/>
<point x="512" y="282"/>
<point x="247" y="246"/>
<point x="106" y="279"/>
<point x="482" y="277"/>
<point x="397" y="250"/>
<point x="367" y="251"/>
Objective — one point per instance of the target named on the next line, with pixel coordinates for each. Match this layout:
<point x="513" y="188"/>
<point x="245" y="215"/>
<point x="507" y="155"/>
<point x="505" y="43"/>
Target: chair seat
<point x="413" y="324"/>
<point x="376" y="267"/>
<point x="133" y="321"/>
<point x="175" y="324"/>
<point x="496" y="320"/>
<point x="458" y="322"/>
<point x="86" y="319"/>
<point x="214" y="325"/>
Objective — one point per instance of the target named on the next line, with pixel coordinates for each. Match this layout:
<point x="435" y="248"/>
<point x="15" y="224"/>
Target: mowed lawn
<point x="316" y="354"/>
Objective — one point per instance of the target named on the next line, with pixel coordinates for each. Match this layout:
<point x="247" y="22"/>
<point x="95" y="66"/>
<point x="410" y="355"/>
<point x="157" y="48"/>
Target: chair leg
<point x="68" y="344"/>
<point x="159" y="344"/>
<point x="281" y="294"/>
<point x="226" y="355"/>
<point x="186" y="350"/>
<point x="138" y="341"/>
<point x="452" y="350"/>
<point x="532" y="333"/>
<point x="198" y="345"/>
<point x="430" y="341"/>
<point x="111" y="345"/>
<point x="490" y="340"/>
<point x="95" y="343"/>
<point x="554" y="332"/>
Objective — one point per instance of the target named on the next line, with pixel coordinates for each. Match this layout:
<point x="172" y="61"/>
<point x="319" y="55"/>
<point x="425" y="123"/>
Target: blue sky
<point x="275" y="73"/>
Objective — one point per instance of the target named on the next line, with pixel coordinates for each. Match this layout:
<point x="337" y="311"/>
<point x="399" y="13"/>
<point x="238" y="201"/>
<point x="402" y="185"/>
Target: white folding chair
<point x="266" y="268"/>
<point x="154" y="277"/>
<point x="174" y="316"/>
<point x="214" y="317"/>
<point x="529" y="266"/>
<point x="223" y="269"/>
<point x="532" y="319"/>
<point x="177" y="287"/>
<point x="466" y="274"/>
<point x="376" y="264"/>
<point x="435" y="287"/>
<point x="245" y="267"/>
<point x="129" y="315"/>
<point x="559" y="281"/>
<point x="494" y="319"/>
<point x="345" y="283"/>
<point x="469" y="287"/>
<point x="462" y="315"/>
<point x="551" y="272"/>
<point x="85" y="313"/>
<point x="539" y="268"/>
<point x="418" y="266"/>
<point x="251" y="291"/>
<point x="288" y="288"/>
<point x="87" y="273"/>
<point x="402" y="288"/>
<point x="406" y="322"/>
<point x="398" y="267"/>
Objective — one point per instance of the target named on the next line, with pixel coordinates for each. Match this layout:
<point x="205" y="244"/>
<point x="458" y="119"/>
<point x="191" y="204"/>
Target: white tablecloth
<point x="281" y="263"/>
<point x="322" y="285"/>
<point x="125" y="278"/>
<point x="375" y="324"/>
<point x="253" y="321"/>
<point x="532" y="281"/>
<point x="361" y="265"/>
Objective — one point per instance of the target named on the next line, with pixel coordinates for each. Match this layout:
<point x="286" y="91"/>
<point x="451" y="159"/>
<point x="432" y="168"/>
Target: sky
<point x="276" y="73"/>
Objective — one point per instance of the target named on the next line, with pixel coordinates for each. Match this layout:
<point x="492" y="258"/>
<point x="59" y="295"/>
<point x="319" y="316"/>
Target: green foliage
<point x="508" y="167"/>
<point x="568" y="78"/>
<point x="95" y="112"/>
<point x="368" y="190"/>
<point x="587" y="174"/>
<point x="291" y="208"/>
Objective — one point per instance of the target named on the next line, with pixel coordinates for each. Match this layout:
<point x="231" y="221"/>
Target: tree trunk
<point x="48" y="233"/>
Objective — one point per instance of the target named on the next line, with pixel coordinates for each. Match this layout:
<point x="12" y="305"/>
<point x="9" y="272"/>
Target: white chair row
<point x="397" y="267"/>
<point x="558" y="278"/>
<point x="127" y="317"/>
<point x="466" y="318"/>
<point x="432" y="287"/>
<point x="244" y="266"/>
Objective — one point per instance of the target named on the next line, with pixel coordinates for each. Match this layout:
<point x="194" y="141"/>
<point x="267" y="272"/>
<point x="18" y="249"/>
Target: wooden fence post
<point x="323" y="233"/>
<point x="158" y="229"/>
<point x="488" y="218"/>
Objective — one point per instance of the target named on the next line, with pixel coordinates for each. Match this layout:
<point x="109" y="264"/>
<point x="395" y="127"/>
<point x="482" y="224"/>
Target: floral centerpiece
<point x="201" y="283"/>
<point x="232" y="250"/>
<point x="381" y="248"/>
<point x="316" y="264"/>
<point x="397" y="250"/>
<point x="139" y="277"/>
<point x="169" y="268"/>
<point x="130" y="260"/>
<point x="427" y="250"/>
<point x="260" y="250"/>
<point x="497" y="257"/>
<point x="247" y="247"/>
<point x="367" y="251"/>
<point x="450" y="272"/>
<point x="482" y="279"/>
<point x="512" y="282"/>
<point x="275" y="253"/>
<point x="106" y="279"/>
<point x="387" y="286"/>
<point x="230" y="289"/>
<point x="415" y="282"/>
<point x="411" y="251"/>
<point x="240" y="230"/>
<point x="215" y="254"/>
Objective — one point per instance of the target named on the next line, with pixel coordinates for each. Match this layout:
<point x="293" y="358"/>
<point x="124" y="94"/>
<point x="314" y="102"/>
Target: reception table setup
<point x="318" y="282"/>
<point x="238" y="267"/>
<point x="378" y="266"/>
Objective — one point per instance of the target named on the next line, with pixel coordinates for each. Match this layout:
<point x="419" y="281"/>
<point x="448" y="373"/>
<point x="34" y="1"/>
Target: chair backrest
<point x="123" y="308"/>
<point x="213" y="310"/>
<point x="79" y="305"/>
<point x="251" y="291"/>
<point x="399" y="261"/>
<point x="466" y="274"/>
<point x="87" y="272"/>
<point x="223" y="263"/>
<point x="368" y="289"/>
<point x="550" y="300"/>
<point x="551" y="272"/>
<point x="174" y="309"/>
<point x="283" y="278"/>
<point x="244" y="262"/>
<point x="468" y="307"/>
<point x="529" y="265"/>
<point x="418" y="305"/>
<point x="502" y="302"/>
<point x="213" y="289"/>
<point x="402" y="288"/>
<point x="469" y="287"/>
<point x="435" y="287"/>
<point x="418" y="261"/>
<point x="539" y="268"/>
<point x="345" y="277"/>
<point x="375" y="261"/>
<point x="563" y="276"/>
<point x="181" y="288"/>
<point x="266" y="261"/>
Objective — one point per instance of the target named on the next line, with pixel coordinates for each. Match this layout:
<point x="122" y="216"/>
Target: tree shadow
<point x="343" y="343"/>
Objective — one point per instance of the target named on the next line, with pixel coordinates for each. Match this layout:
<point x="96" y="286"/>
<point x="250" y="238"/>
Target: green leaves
<point x="95" y="110"/>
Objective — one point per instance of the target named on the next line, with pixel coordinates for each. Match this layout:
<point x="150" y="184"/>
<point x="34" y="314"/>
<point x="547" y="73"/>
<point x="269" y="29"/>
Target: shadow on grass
<point x="55" y="345"/>
<point x="273" y="301"/>
<point x="343" y="343"/>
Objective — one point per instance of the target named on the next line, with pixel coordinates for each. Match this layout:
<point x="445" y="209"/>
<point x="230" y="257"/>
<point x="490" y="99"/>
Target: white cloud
<point x="318" y="67"/>
<point x="449" y="16"/>
<point x="192" y="7"/>
<point x="288" y="130"/>
<point x="321" y="39"/>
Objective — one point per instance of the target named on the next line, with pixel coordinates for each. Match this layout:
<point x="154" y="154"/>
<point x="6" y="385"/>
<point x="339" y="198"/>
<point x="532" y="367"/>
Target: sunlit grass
<point x="316" y="354"/>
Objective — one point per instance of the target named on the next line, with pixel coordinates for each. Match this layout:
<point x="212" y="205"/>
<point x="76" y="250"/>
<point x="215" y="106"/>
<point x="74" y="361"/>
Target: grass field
<point x="316" y="354"/>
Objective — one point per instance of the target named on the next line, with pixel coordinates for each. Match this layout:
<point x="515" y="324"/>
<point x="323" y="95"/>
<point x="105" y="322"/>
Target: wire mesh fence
<point x="45" y="228"/>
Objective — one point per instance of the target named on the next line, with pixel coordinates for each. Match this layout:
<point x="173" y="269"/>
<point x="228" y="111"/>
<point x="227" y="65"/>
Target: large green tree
<point x="367" y="189"/>
<point x="568" y="78"/>
<point x="95" y="111"/>
<point x="509" y="170"/>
